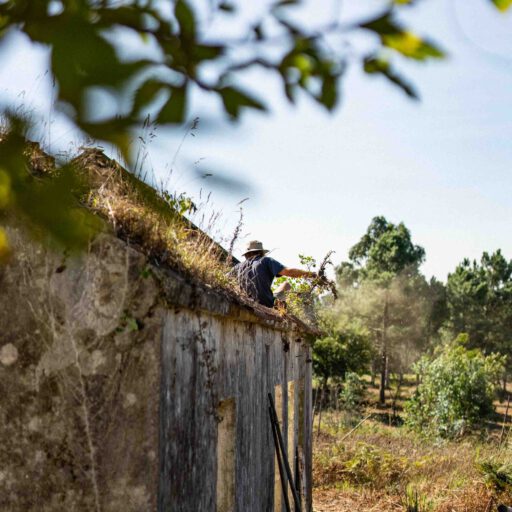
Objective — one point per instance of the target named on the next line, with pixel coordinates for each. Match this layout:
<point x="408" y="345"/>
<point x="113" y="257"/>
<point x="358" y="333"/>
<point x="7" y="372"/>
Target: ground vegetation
<point x="433" y="433"/>
<point x="381" y="465"/>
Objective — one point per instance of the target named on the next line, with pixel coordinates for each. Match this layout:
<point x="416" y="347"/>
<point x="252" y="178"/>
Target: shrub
<point x="352" y="393"/>
<point x="497" y="475"/>
<point x="373" y="467"/>
<point x="456" y="391"/>
<point x="341" y="352"/>
<point x="360" y="465"/>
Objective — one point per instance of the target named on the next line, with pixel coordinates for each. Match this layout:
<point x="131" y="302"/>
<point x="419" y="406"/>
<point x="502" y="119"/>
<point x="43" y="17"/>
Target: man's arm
<point x="295" y="272"/>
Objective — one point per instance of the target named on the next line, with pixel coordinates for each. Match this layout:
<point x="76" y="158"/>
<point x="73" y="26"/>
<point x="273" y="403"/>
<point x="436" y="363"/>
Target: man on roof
<point x="256" y="273"/>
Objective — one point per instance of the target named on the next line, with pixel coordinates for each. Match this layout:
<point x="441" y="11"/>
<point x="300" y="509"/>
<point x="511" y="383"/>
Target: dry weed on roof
<point x="139" y="215"/>
<point x="142" y="217"/>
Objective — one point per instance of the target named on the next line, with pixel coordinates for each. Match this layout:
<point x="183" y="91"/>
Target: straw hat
<point x="254" y="246"/>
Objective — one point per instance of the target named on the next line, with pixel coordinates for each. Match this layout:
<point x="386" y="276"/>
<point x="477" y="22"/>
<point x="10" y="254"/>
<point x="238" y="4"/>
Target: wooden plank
<point x="207" y="360"/>
<point x="226" y="456"/>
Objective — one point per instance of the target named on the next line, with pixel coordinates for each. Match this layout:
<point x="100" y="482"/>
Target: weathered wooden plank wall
<point x="205" y="361"/>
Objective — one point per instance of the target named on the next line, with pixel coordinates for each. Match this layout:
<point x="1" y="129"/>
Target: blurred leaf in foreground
<point x="412" y="46"/>
<point x="502" y="5"/>
<point x="405" y="42"/>
<point x="46" y="198"/>
<point x="4" y="246"/>
<point x="376" y="65"/>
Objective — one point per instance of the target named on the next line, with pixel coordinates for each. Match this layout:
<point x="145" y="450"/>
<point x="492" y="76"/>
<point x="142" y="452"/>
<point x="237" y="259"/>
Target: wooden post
<point x="384" y="353"/>
<point x="324" y="387"/>
<point x="504" y="421"/>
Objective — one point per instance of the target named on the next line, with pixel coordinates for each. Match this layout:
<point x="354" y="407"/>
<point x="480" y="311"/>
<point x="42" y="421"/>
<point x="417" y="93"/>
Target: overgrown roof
<point x="136" y="213"/>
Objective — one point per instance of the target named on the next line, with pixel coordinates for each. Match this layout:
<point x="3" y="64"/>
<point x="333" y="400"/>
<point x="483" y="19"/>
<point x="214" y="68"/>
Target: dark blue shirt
<point x="255" y="276"/>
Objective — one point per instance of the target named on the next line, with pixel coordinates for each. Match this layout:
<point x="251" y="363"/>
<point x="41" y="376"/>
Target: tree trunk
<point x="396" y="397"/>
<point x="323" y="390"/>
<point x="384" y="354"/>
<point x="382" y="389"/>
<point x="503" y="392"/>
<point x="315" y="401"/>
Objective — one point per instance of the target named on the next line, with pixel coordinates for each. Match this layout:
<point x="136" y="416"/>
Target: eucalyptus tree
<point x="381" y="286"/>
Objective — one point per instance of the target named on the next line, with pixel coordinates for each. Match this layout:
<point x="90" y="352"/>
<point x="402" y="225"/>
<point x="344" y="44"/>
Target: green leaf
<point x="82" y="58"/>
<point x="206" y="52"/>
<point x="174" y="110"/>
<point x="383" y="25"/>
<point x="329" y="94"/>
<point x="46" y="199"/>
<point x="4" y="23"/>
<point x="186" y="19"/>
<point x="227" y="7"/>
<point x="412" y="46"/>
<point x="132" y="324"/>
<point x="393" y="36"/>
<point x="146" y="94"/>
<point x="234" y="100"/>
<point x="304" y="63"/>
<point x="128" y="16"/>
<point x="375" y="65"/>
<point x="502" y="5"/>
<point x="4" y="246"/>
<point x="5" y="188"/>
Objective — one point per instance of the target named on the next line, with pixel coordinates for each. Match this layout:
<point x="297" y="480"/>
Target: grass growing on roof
<point x="156" y="224"/>
<point x="154" y="221"/>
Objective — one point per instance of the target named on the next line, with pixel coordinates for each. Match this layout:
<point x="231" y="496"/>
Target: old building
<point x="128" y="385"/>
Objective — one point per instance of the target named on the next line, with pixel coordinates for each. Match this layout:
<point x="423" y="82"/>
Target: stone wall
<point x="79" y="380"/>
<point x="125" y="387"/>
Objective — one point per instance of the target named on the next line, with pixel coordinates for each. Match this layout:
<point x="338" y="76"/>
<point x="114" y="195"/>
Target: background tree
<point x="386" y="250"/>
<point x="344" y="352"/>
<point x="435" y="295"/>
<point x="457" y="390"/>
<point x="479" y="296"/>
<point x="341" y="351"/>
<point x="382" y="287"/>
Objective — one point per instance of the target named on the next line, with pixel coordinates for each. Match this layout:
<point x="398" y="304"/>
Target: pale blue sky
<point x="442" y="166"/>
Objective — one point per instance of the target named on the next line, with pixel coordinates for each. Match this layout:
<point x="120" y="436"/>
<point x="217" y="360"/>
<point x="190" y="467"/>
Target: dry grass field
<point x="382" y="466"/>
